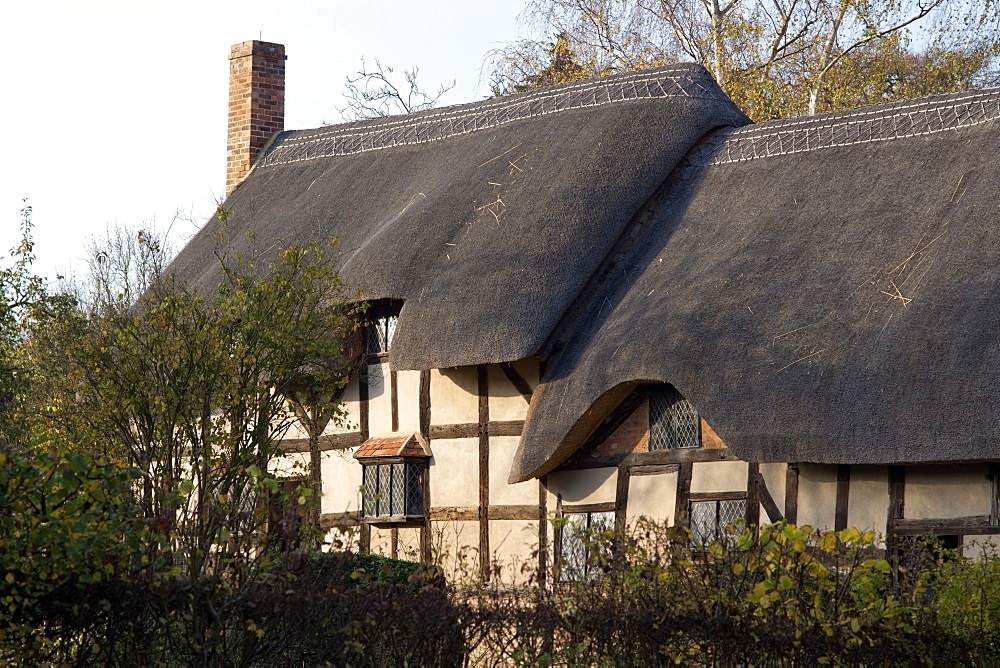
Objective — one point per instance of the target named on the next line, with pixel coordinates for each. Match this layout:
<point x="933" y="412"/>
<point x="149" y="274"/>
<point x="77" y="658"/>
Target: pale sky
<point x="115" y="112"/>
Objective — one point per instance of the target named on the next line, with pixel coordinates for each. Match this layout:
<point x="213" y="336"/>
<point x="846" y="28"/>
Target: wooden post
<point x="394" y="398"/>
<point x="792" y="494"/>
<point x="543" y="532"/>
<point x="683" y="495"/>
<point x="840" y="518"/>
<point x="483" y="389"/>
<point x="897" y="502"/>
<point x="425" y="431"/>
<point x="621" y="497"/>
<point x="753" y="495"/>
<point x="557" y="539"/>
<point x="365" y="540"/>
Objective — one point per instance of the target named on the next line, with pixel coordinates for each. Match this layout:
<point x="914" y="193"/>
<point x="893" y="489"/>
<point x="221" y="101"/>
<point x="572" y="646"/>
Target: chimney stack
<point x="256" y="104"/>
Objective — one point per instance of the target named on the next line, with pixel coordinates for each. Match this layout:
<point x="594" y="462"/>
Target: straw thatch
<point x="485" y="218"/>
<point x="824" y="290"/>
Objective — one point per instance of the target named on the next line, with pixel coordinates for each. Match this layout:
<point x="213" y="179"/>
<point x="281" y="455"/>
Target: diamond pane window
<point x="674" y="422"/>
<point x="382" y="319"/>
<point x="709" y="519"/>
<point x="576" y="549"/>
<point x="393" y="490"/>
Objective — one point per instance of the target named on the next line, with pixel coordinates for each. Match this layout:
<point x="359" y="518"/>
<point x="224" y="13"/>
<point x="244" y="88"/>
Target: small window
<point x="576" y="550"/>
<point x="709" y="519"/>
<point x="394" y="490"/>
<point x="381" y="326"/>
<point x="674" y="422"/>
<point x="394" y="477"/>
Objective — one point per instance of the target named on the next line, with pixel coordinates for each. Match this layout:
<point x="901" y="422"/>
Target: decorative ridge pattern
<point x="884" y="123"/>
<point x="684" y="81"/>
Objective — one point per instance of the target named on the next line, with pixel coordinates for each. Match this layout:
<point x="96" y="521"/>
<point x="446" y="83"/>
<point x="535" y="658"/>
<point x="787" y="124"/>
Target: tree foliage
<point x="774" y="58"/>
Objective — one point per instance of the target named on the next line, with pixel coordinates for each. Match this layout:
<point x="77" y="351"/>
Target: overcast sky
<point x="115" y="112"/>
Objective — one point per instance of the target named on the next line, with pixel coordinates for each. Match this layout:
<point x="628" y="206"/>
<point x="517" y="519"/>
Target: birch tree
<point x="774" y="58"/>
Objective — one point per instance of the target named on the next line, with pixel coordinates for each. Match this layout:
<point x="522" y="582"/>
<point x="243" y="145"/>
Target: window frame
<point x="566" y="571"/>
<point x="704" y="538"/>
<point x="414" y="471"/>
<point x="382" y="314"/>
<point x="681" y="409"/>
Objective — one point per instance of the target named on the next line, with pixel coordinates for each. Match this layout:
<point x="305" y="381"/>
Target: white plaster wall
<point x="291" y="465"/>
<point x="381" y="541"/>
<point x="379" y="399"/>
<point x="513" y="548"/>
<point x="652" y="496"/>
<point x="774" y="478"/>
<point x="408" y="396"/>
<point x="868" y="502"/>
<point x="341" y="481"/>
<point x="454" y="547"/>
<point x="454" y="395"/>
<point x="408" y="546"/>
<point x="817" y="495"/>
<point x="506" y="403"/>
<point x="585" y="486"/>
<point x="350" y="402"/>
<point x="946" y="491"/>
<point x="454" y="472"/>
<point x="337" y="540"/>
<point x="502" y="451"/>
<point x="719" y="476"/>
<point x="977" y="547"/>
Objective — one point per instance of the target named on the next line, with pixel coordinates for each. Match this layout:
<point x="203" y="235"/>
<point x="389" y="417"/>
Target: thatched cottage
<point x="618" y="298"/>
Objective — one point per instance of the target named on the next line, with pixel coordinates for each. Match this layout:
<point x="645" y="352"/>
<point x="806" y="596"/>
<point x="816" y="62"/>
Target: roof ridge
<point x="683" y="80"/>
<point x="886" y="122"/>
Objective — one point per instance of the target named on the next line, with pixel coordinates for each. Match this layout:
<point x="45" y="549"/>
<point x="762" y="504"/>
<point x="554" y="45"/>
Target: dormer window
<point x="394" y="477"/>
<point x="674" y="422"/>
<point x="382" y="316"/>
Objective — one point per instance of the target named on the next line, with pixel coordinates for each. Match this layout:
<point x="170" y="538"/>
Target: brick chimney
<point x="256" y="104"/>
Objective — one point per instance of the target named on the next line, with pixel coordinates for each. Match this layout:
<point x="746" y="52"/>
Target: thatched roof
<point x="486" y="219"/>
<point x="823" y="290"/>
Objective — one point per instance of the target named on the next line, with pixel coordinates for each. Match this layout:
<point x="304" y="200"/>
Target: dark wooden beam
<point x="840" y="518"/>
<point x="949" y="526"/>
<point x="897" y="503"/>
<point x="483" y="390"/>
<point x="655" y="458"/>
<point x="621" y="498"/>
<point x="363" y="406"/>
<point x="394" y="399"/>
<point x="652" y="469"/>
<point x="394" y="541"/>
<point x="425" y="431"/>
<point x="718" y="496"/>
<point x="683" y="494"/>
<point x="454" y="514"/>
<point x="543" y="531"/>
<point x="472" y="429"/>
<point x="514" y="512"/>
<point x="753" y="494"/>
<point x="995" y="493"/>
<point x="326" y="442"/>
<point x="517" y="380"/>
<point x="767" y="500"/>
<point x="365" y="539"/>
<point x="608" y="507"/>
<point x="792" y="493"/>
<point x="557" y="542"/>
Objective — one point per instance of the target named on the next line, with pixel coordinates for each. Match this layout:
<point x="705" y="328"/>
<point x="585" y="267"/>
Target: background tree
<point x="774" y="58"/>
<point x="378" y="91"/>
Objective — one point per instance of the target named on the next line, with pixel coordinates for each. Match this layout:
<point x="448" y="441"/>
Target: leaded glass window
<point x="674" y="422"/>
<point x="382" y="318"/>
<point x="393" y="489"/>
<point x="709" y="519"/>
<point x="578" y="555"/>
